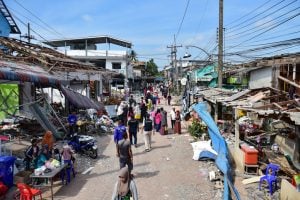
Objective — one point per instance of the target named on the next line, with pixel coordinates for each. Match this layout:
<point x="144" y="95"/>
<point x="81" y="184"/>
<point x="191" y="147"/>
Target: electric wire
<point x="15" y="12"/>
<point x="245" y="32"/>
<point x="249" y="13"/>
<point x="39" y="19"/>
<point x="200" y="22"/>
<point x="272" y="27"/>
<point x="243" y="22"/>
<point x="268" y="46"/>
<point x="30" y="29"/>
<point x="253" y="45"/>
<point x="185" y="11"/>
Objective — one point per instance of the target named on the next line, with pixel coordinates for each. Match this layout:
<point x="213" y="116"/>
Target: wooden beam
<point x="275" y="96"/>
<point x="279" y="103"/>
<point x="278" y="106"/>
<point x="289" y="82"/>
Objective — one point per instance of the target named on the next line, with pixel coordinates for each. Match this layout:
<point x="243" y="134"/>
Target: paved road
<point x="166" y="172"/>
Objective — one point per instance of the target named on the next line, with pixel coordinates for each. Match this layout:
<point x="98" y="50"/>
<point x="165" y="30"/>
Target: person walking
<point x="125" y="187"/>
<point x="118" y="132"/>
<point x="120" y="111"/>
<point x="133" y="128"/>
<point x="157" y="120"/>
<point x="130" y="113"/>
<point x="131" y="101"/>
<point x="143" y="109"/>
<point x="172" y="116"/>
<point x="72" y="122"/>
<point x="169" y="99"/>
<point x="177" y="128"/>
<point x="124" y="153"/>
<point x="147" y="131"/>
<point x="164" y="122"/>
<point x="67" y="154"/>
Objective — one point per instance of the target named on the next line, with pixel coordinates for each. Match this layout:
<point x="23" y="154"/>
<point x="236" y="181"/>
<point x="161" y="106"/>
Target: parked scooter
<point x="84" y="144"/>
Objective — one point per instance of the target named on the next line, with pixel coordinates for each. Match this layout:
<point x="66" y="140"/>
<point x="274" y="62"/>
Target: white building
<point x="97" y="50"/>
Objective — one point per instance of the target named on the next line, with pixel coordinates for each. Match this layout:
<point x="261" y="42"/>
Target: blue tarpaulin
<point x="220" y="146"/>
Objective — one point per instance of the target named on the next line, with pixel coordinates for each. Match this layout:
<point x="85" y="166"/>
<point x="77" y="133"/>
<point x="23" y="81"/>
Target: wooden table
<point x="50" y="176"/>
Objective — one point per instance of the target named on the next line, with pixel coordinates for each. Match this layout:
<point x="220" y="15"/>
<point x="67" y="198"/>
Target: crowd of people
<point x="144" y="116"/>
<point x="42" y="152"/>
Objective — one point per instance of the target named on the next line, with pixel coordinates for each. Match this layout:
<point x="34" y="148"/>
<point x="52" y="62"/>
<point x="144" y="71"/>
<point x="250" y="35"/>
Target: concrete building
<point x="92" y="50"/>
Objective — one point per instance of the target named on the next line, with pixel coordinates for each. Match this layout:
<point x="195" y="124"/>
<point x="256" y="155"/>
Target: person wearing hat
<point x="125" y="186"/>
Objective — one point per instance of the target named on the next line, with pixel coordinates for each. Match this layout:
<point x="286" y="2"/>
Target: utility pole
<point x="174" y="61"/>
<point x="220" y="51"/>
<point x="28" y="36"/>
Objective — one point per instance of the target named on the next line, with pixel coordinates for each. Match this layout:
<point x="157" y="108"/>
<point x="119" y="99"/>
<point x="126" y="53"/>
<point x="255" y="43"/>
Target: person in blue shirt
<point x="118" y="133"/>
<point x="72" y="120"/>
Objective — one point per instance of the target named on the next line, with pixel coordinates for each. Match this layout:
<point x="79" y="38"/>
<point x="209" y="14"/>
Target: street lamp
<point x="187" y="55"/>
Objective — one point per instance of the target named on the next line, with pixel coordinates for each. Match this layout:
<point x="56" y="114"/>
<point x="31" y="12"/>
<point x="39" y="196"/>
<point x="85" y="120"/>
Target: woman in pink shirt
<point x="157" y="120"/>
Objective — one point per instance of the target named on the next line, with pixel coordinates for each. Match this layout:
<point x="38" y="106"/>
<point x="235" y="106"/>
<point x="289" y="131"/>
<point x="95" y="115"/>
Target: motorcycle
<point x="84" y="144"/>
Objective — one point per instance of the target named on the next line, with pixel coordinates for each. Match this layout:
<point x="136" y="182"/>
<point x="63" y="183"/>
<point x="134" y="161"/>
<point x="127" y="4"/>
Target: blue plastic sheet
<point x="220" y="146"/>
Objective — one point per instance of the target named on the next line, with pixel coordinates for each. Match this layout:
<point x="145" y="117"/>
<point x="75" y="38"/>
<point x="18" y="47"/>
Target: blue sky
<point x="151" y="24"/>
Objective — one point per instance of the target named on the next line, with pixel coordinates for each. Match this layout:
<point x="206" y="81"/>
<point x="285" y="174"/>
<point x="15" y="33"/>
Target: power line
<point x="249" y="13"/>
<point x="30" y="20"/>
<point x="38" y="18"/>
<point x="234" y="27"/>
<point x="30" y="28"/>
<point x="265" y="39"/>
<point x="200" y="22"/>
<point x="261" y="25"/>
<point x="268" y="46"/>
<point x="276" y="25"/>
<point x="179" y="29"/>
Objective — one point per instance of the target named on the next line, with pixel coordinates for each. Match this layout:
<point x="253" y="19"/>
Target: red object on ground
<point x="3" y="189"/>
<point x="251" y="155"/>
<point x="27" y="193"/>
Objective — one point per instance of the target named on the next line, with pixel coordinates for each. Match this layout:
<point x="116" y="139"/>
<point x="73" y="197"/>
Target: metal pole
<point x="236" y="128"/>
<point x="28" y="29"/>
<point x="220" y="53"/>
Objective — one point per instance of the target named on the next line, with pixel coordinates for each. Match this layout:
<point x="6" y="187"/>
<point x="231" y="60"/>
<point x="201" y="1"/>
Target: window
<point x="116" y="65"/>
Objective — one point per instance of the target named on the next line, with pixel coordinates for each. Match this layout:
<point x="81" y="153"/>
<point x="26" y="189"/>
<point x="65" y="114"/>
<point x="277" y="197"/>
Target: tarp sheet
<point x="220" y="146"/>
<point x="26" y="76"/>
<point x="80" y="101"/>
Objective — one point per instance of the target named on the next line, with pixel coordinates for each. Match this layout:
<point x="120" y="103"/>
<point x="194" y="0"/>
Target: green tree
<point x="151" y="68"/>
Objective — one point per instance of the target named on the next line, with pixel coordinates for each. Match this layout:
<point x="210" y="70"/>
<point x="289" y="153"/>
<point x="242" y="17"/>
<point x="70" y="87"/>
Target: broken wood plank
<point x="251" y="180"/>
<point x="278" y="106"/>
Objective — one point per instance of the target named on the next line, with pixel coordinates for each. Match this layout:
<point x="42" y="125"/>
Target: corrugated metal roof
<point x="89" y="40"/>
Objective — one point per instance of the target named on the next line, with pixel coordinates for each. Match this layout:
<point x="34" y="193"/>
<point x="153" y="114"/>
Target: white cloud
<point x="87" y="17"/>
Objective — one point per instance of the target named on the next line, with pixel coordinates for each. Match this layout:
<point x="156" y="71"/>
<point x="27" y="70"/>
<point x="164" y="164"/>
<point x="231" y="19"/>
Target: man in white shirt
<point x="172" y="115"/>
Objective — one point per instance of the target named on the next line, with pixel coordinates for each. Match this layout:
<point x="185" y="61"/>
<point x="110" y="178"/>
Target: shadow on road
<point x="79" y="182"/>
<point x="145" y="174"/>
<point x="161" y="147"/>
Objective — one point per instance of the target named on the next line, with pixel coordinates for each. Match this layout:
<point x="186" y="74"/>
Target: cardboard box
<point x="22" y="177"/>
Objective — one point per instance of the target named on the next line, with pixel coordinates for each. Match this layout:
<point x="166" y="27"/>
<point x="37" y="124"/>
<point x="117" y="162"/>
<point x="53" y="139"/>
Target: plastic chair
<point x="27" y="193"/>
<point x="270" y="177"/>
